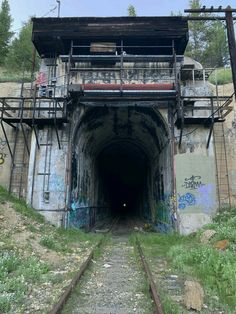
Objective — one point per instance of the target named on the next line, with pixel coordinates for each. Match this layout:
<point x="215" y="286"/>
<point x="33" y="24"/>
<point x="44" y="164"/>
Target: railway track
<point x="113" y="283"/>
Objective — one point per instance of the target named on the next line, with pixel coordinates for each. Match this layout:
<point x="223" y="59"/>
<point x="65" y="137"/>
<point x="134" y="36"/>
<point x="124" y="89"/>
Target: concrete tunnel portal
<point x="121" y="164"/>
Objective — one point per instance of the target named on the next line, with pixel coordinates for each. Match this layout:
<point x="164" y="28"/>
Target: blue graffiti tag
<point x="185" y="200"/>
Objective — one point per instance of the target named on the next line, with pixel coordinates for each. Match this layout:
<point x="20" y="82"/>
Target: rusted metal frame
<point x="231" y="43"/>
<point x="21" y="172"/>
<point x="13" y="157"/>
<point x="69" y="65"/>
<point x="178" y="98"/>
<point x="121" y="66"/>
<point x="4" y="132"/>
<point x="182" y="123"/>
<point x="226" y="106"/>
<point x="45" y="173"/>
<point x="55" y="124"/>
<point x="33" y="118"/>
<point x="211" y="10"/>
<point x="116" y="58"/>
<point x="230" y="32"/>
<point x="207" y="97"/>
<point x="226" y="165"/>
<point x="212" y="124"/>
<point x="204" y="18"/>
<point x="4" y="104"/>
<point x="84" y="46"/>
<point x="49" y="147"/>
<point x="128" y="98"/>
<point x="39" y="108"/>
<point x="29" y="98"/>
<point x="113" y="69"/>
<point x="22" y="127"/>
<point x="152" y="286"/>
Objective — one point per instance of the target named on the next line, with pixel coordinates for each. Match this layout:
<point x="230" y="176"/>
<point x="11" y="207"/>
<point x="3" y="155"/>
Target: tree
<point x="207" y="40"/>
<point x="216" y="51"/>
<point x="21" y="50"/>
<point x="131" y="10"/>
<point x="197" y="38"/>
<point x="5" y="26"/>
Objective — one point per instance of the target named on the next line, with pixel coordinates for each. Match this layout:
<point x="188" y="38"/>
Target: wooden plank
<point x="50" y="31"/>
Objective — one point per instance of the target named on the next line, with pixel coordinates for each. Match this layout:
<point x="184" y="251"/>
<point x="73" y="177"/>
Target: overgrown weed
<point x="215" y="269"/>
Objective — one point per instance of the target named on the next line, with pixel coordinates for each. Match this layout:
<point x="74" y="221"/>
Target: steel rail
<point x="152" y="286"/>
<point x="57" y="307"/>
<point x="66" y="294"/>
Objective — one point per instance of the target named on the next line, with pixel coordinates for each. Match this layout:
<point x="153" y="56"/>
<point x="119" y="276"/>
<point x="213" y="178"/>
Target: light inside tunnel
<point x="122" y="169"/>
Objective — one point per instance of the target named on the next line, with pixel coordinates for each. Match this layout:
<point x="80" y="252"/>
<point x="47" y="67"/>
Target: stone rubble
<point x="207" y="235"/>
<point x="194" y="295"/>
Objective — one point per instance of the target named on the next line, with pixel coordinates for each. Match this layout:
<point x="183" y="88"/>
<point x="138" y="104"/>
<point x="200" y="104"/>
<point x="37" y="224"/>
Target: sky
<point x="21" y="10"/>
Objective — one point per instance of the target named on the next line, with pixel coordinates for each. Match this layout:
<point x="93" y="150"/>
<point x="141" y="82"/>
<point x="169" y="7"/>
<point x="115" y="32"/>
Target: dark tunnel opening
<point x="121" y="167"/>
<point x="123" y="171"/>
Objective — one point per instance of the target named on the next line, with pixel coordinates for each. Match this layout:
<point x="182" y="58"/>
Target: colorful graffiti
<point x="166" y="209"/>
<point x="187" y="199"/>
<point x="193" y="183"/>
<point x="79" y="217"/>
<point x="79" y="214"/>
<point x="206" y="198"/>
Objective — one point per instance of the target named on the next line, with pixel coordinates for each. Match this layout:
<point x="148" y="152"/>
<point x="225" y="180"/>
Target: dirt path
<point x="114" y="284"/>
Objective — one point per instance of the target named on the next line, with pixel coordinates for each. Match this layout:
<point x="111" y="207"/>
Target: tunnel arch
<point x="135" y="140"/>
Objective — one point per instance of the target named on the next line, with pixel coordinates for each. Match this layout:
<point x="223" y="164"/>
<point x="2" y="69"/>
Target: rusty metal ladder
<point x="222" y="176"/>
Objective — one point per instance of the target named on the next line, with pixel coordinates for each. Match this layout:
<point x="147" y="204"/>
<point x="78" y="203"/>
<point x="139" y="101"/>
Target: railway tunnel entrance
<point x="121" y="165"/>
<point x="123" y="170"/>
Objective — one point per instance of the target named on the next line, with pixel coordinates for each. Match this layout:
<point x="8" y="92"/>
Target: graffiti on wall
<point x="79" y="217"/>
<point x="201" y="195"/>
<point x="79" y="214"/>
<point x="2" y="158"/>
<point x="3" y="155"/>
<point x="166" y="209"/>
<point x="193" y="182"/>
<point x="206" y="198"/>
<point x="129" y="76"/>
<point x="185" y="200"/>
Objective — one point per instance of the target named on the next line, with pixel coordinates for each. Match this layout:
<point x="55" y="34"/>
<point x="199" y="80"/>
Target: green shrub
<point x="16" y="272"/>
<point x="5" y="304"/>
<point x="221" y="76"/>
<point x="48" y="241"/>
<point x="215" y="269"/>
<point x="7" y="75"/>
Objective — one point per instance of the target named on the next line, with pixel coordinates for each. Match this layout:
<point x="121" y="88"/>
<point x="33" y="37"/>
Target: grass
<point x="13" y="76"/>
<point x="62" y="240"/>
<point x="221" y="76"/>
<point x="186" y="255"/>
<point x="16" y="273"/>
<point x="20" y="206"/>
<point x="23" y="270"/>
<point x="169" y="306"/>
